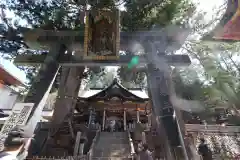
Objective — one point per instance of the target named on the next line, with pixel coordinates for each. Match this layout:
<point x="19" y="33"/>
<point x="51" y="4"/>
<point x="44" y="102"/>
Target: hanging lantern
<point x="231" y="31"/>
<point x="1" y="84"/>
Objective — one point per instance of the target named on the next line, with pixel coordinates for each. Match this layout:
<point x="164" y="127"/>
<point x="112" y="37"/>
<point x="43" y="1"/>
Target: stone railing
<point x="90" y="152"/>
<point x="133" y="153"/>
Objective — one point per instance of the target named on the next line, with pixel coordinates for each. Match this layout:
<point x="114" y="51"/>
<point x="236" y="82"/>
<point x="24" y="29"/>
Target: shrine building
<point x="95" y="110"/>
<point x="101" y="105"/>
<point x="7" y="95"/>
<point x="116" y="103"/>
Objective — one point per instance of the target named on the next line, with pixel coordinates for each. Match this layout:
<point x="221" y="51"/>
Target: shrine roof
<point x="91" y="92"/>
<point x="9" y="76"/>
<point x="228" y="29"/>
<point x="114" y="90"/>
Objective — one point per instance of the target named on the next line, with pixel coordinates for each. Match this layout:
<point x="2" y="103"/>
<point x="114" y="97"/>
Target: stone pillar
<point x="104" y="119"/>
<point x="138" y="116"/>
<point x="83" y="141"/>
<point x="90" y="118"/>
<point x="81" y="147"/>
<point x="144" y="141"/>
<point x="77" y="143"/>
<point x="125" y="119"/>
<point x="149" y="116"/>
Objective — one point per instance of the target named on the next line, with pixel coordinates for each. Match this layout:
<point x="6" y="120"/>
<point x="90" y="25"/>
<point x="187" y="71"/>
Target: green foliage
<point x="146" y="15"/>
<point x="218" y="68"/>
<point x="131" y="78"/>
<point x="100" y="79"/>
<point x="189" y="91"/>
<point x="51" y="15"/>
<point x="142" y="14"/>
<point x="220" y="72"/>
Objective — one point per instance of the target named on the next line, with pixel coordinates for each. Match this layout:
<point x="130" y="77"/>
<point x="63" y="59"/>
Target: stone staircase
<point x="112" y="146"/>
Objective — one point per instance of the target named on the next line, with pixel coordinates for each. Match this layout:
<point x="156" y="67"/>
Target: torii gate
<point x="61" y="44"/>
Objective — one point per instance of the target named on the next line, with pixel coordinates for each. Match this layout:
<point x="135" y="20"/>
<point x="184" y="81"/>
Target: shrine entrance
<point x="114" y="121"/>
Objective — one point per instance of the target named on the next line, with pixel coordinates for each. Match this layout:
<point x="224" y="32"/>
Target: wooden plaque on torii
<point x="102" y="34"/>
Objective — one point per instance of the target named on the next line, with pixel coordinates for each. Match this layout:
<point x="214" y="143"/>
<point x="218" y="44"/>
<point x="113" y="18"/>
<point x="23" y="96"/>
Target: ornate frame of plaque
<point x="102" y="34"/>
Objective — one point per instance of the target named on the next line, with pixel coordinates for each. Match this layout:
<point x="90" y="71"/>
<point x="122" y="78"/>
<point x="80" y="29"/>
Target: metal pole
<point x="77" y="144"/>
<point x="90" y="118"/>
<point x="181" y="139"/>
<point x="138" y="116"/>
<point x="149" y="116"/>
<point x="124" y="120"/>
<point x="104" y="117"/>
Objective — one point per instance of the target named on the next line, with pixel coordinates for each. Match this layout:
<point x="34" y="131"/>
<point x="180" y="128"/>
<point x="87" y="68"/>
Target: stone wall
<point x="224" y="141"/>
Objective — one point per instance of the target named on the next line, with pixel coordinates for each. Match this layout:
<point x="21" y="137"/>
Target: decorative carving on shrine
<point x="102" y="34"/>
<point x="115" y="101"/>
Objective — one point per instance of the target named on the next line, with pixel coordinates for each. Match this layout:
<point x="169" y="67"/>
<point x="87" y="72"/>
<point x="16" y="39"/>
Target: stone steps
<point x="110" y="158"/>
<point x="112" y="141"/>
<point x="112" y="146"/>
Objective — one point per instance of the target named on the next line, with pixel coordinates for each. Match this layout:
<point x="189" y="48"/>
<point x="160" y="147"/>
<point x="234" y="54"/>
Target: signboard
<point x="19" y="116"/>
<point x="102" y="34"/>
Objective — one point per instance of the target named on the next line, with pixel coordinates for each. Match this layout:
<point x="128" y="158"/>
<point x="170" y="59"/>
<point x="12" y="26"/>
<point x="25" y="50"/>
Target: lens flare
<point x="134" y="61"/>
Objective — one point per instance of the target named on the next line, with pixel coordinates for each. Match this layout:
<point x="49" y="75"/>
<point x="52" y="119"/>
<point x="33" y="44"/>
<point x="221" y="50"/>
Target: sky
<point x="206" y="6"/>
